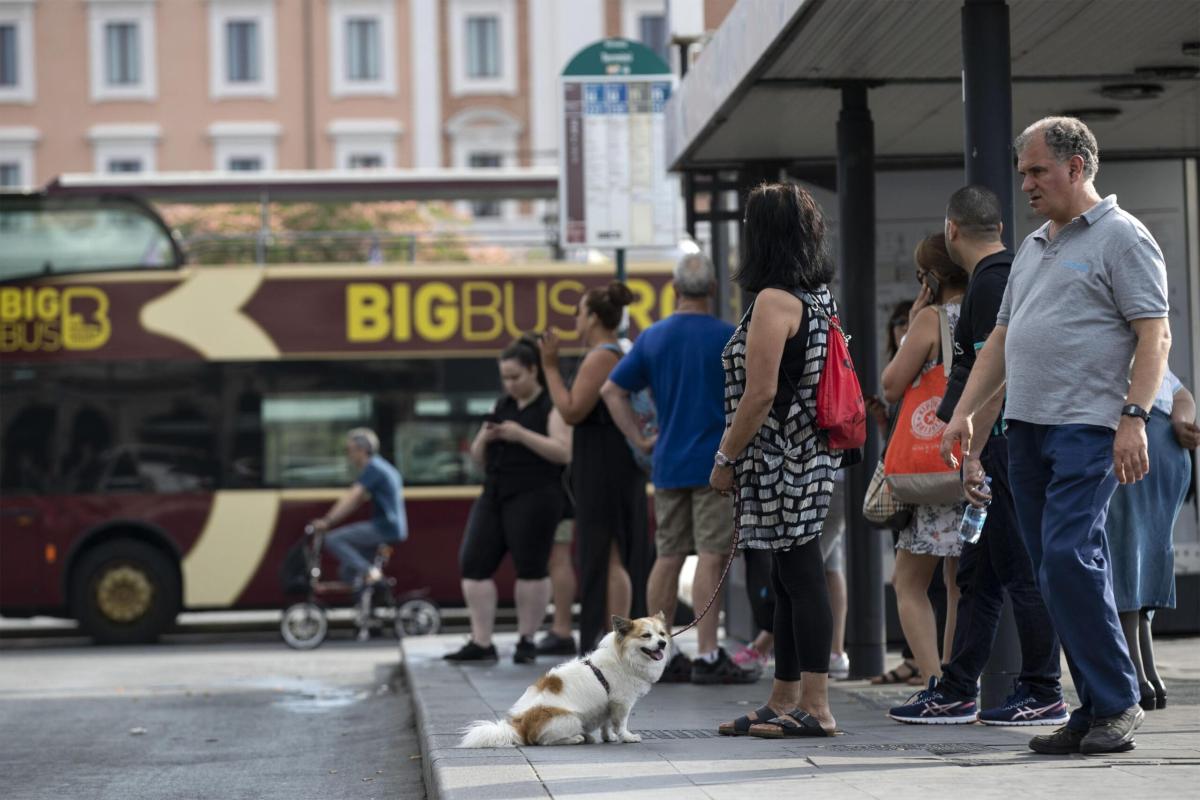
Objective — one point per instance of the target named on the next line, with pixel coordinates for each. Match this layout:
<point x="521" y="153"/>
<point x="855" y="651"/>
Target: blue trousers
<point x="1062" y="480"/>
<point x="354" y="546"/>
<point x="999" y="562"/>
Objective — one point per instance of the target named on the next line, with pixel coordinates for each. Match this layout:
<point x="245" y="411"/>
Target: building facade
<point x="113" y="86"/>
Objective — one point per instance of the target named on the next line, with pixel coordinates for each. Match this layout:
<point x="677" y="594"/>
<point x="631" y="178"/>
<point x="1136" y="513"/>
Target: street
<point x="204" y="716"/>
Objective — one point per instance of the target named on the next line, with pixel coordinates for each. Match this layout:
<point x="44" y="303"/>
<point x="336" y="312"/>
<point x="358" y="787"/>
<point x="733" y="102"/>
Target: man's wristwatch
<point x="722" y="460"/>
<point x="1134" y="410"/>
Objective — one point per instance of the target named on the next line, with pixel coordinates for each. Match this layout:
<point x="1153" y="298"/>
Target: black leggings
<point x="521" y="524"/>
<point x="803" y="620"/>
<point x="758" y="588"/>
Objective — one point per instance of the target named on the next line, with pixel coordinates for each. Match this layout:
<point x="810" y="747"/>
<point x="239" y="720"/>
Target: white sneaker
<point x="374" y="576"/>
<point x="839" y="666"/>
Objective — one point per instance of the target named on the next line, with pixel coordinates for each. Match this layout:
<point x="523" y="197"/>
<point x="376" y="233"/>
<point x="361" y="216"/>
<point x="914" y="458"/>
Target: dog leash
<point x="728" y="563"/>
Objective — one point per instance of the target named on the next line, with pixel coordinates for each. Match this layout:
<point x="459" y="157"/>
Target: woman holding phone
<point x="932" y="536"/>
<point x="522" y="445"/>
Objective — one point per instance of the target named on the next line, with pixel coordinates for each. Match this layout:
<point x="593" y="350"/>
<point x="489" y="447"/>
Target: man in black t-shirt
<point x="999" y="560"/>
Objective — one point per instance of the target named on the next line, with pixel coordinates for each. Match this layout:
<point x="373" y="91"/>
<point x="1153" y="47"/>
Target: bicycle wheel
<point x="304" y="626"/>
<point x="417" y="617"/>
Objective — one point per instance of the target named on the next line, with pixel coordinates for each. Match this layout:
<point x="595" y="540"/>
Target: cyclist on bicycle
<point x="378" y="481"/>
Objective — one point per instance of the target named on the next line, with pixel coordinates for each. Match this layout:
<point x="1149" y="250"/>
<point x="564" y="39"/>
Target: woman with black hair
<point x="522" y="445"/>
<point x="773" y="457"/>
<point x="608" y="487"/>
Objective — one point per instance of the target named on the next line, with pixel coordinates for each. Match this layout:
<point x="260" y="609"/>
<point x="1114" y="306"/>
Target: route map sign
<point x="614" y="190"/>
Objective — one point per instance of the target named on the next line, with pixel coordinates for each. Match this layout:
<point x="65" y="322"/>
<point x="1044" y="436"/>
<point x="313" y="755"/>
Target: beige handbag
<point x="880" y="506"/>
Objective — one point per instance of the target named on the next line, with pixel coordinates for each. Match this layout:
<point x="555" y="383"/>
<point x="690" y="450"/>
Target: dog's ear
<point x="661" y="617"/>
<point x="621" y="625"/>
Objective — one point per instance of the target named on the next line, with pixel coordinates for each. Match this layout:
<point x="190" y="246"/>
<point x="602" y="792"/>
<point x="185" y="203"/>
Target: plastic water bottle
<point x="971" y="527"/>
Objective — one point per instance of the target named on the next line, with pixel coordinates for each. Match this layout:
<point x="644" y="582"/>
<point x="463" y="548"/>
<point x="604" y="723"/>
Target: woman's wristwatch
<point x="722" y="460"/>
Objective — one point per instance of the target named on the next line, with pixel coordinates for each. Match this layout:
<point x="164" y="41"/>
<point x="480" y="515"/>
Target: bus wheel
<point x="124" y="592"/>
<point x="417" y="617"/>
<point x="304" y="626"/>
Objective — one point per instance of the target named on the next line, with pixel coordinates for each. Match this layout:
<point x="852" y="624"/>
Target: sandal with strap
<point x="741" y="726"/>
<point x="792" y="725"/>
<point x="894" y="675"/>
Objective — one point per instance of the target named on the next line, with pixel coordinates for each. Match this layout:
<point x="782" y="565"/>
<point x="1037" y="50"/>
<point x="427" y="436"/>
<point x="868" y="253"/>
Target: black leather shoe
<point x="723" y="670"/>
<point x="525" y="652"/>
<point x="1063" y="741"/>
<point x="472" y="652"/>
<point x="679" y="670"/>
<point x="1113" y="734"/>
<point x="1160" y="695"/>
<point x="551" y="644"/>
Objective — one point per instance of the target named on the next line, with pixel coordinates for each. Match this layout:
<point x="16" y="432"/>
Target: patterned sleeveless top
<point x="785" y="477"/>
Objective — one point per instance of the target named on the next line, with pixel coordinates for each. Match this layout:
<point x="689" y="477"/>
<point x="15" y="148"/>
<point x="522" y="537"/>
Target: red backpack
<point x="841" y="412"/>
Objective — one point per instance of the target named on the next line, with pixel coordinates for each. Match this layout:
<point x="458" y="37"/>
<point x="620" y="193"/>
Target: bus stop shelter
<point x="834" y="92"/>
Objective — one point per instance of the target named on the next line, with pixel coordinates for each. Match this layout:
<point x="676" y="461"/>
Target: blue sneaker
<point x="1022" y="708"/>
<point x="931" y="706"/>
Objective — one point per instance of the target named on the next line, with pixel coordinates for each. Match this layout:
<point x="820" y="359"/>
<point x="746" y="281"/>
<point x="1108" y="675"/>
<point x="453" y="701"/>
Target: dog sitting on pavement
<point x="573" y="701"/>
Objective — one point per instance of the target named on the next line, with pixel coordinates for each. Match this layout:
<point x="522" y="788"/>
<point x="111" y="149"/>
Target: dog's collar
<point x="599" y="676"/>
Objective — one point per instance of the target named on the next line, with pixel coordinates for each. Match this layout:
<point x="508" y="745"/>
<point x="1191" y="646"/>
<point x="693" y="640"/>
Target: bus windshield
<point x="46" y="236"/>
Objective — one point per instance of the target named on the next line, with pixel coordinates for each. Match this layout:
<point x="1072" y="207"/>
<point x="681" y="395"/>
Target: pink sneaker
<point x="749" y="657"/>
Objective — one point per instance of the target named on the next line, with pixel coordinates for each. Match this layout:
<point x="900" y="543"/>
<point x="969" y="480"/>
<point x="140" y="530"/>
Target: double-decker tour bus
<point x="169" y="429"/>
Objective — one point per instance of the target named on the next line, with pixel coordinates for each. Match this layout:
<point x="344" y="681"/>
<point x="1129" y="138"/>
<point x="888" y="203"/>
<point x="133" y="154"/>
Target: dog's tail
<point x="484" y="733"/>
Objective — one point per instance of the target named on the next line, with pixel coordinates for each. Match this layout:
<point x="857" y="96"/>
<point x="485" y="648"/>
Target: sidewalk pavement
<point x="682" y="757"/>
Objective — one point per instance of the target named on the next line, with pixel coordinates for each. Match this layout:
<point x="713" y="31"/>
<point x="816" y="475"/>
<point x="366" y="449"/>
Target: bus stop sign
<point x="614" y="190"/>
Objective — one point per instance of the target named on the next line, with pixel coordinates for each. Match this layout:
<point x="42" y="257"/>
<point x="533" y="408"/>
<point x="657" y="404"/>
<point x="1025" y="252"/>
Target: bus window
<point x="26" y="465"/>
<point x="304" y="437"/>
<point x="433" y="445"/>
<point x="51" y="236"/>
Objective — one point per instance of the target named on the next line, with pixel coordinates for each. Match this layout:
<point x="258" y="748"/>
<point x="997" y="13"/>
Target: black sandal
<point x="794" y="724"/>
<point x="741" y="725"/>
<point x="894" y="675"/>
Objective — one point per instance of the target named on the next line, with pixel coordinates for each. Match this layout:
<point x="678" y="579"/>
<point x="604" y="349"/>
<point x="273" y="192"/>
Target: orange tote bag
<point x="913" y="465"/>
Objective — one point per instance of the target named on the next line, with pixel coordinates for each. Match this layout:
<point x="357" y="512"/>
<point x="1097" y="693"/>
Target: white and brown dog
<point x="572" y="701"/>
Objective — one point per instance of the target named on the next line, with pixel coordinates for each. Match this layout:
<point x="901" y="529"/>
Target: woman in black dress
<point x="609" y="488"/>
<point x="523" y="445"/>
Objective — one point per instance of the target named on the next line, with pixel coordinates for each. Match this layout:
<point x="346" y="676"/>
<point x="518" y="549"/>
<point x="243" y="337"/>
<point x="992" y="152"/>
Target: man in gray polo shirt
<point x="1087" y="294"/>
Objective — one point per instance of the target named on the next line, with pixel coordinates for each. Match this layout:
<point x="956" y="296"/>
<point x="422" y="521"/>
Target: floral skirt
<point x="933" y="531"/>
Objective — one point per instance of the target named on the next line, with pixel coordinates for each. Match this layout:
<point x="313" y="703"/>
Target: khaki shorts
<point x="833" y="532"/>
<point x="565" y="532"/>
<point x="692" y="520"/>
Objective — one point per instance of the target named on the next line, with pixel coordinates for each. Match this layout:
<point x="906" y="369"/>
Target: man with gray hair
<point x="679" y="359"/>
<point x="378" y="481"/>
<point x="1087" y="294"/>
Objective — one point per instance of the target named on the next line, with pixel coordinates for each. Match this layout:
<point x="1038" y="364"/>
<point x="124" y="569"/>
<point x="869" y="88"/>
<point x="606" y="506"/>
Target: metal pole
<point x="621" y="264"/>
<point x="987" y="124"/>
<point x="865" y="639"/>
<point x="987" y="102"/>
<point x="264" y="228"/>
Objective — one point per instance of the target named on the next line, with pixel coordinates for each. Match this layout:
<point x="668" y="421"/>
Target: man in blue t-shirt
<point x="378" y="481"/>
<point x="679" y="359"/>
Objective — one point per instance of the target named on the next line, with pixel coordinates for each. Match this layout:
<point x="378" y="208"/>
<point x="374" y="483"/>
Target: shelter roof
<point x="765" y="86"/>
